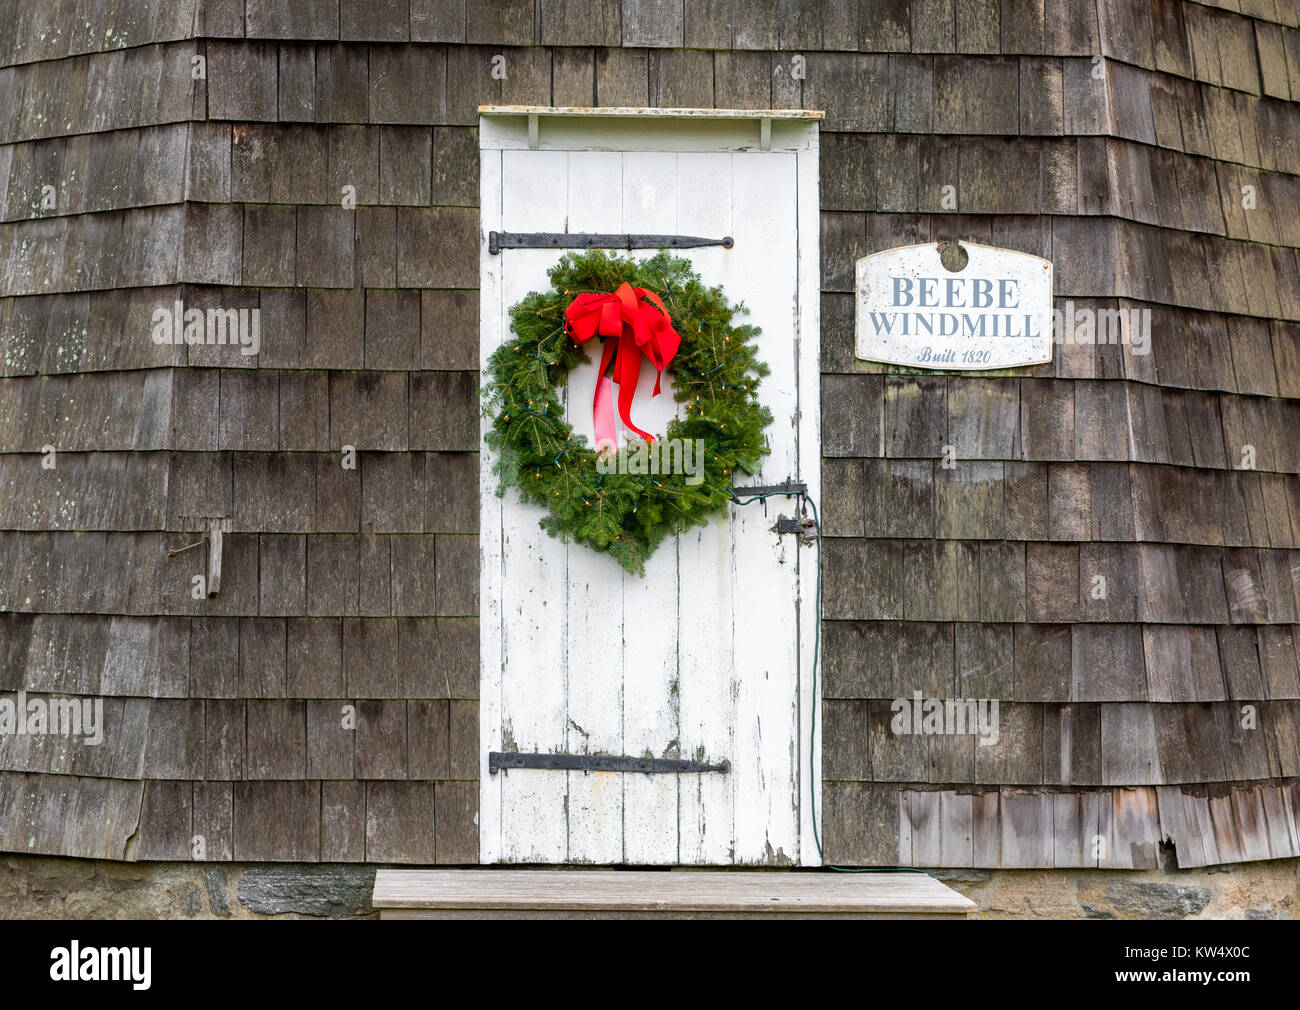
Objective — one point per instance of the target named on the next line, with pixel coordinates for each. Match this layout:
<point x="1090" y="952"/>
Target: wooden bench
<point x="491" y="893"/>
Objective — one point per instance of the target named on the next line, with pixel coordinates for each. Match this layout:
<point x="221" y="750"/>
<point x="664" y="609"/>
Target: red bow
<point x="642" y="328"/>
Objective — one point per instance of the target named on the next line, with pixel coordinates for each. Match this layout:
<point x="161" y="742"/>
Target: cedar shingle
<point x="848" y="174"/>
<point x="304" y="419"/>
<point x="457" y="822"/>
<point x="165" y="812"/>
<point x="681" y="79"/>
<point x="353" y="160"/>
<point x="455" y="166"/>
<point x="375" y="20"/>
<point x="406" y="84"/>
<point x="968" y="501"/>
<point x="843" y="243"/>
<point x="449" y="329"/>
<point x="325" y="247"/>
<point x="214" y="819"/>
<point x="437" y="21"/>
<point x="451" y="500"/>
<point x="911" y="88"/>
<point x="277" y="740"/>
<point x="342" y="89"/>
<point x="900" y="498"/>
<point x="622" y="77"/>
<point x="437" y="248"/>
<point x="742" y="80"/>
<point x="844" y="497"/>
<point x="381" y="739"/>
<point x="392" y="329"/>
<point x="277" y="821"/>
<point x="502" y="22"/>
<point x="283" y="583"/>
<point x="343" y="822"/>
<point x="368" y="410"/>
<point x="315" y="659"/>
<point x="852" y="89"/>
<point x="574" y="77"/>
<point x="851" y="415"/>
<point x="297" y="84"/>
<point x="1052" y="582"/>
<point x="241" y="80"/>
<point x="262" y="659"/>
<point x="405" y="163"/>
<point x="985" y="661"/>
<point x="375" y="577"/>
<point x="371" y="658"/>
<point x="444" y="411"/>
<point x="457" y="575"/>
<point x="1016" y="757"/>
<point x="845" y="725"/>
<point x="292" y="19"/>
<point x="429" y="739"/>
<point x="1129" y="751"/>
<point x="1002" y="575"/>
<point x="270" y="241"/>
<point x="464" y="752"/>
<point x="399" y="822"/>
<point x="863" y="580"/>
<point x="413" y="572"/>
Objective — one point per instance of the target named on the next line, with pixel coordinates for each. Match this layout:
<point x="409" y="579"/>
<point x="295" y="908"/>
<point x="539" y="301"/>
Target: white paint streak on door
<point x="763" y="632"/>
<point x="596" y="615"/>
<point x="706" y="815"/>
<point x="705" y="658"/>
<point x="808" y="341"/>
<point x="534" y="587"/>
<point x="651" y="604"/>
<point x="491" y="560"/>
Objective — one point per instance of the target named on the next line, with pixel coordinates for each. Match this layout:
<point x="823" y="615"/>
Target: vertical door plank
<point x="491" y="561"/>
<point x="650" y="723"/>
<point x="706" y="612"/>
<point x="764" y="565"/>
<point x="808" y="341"/>
<point x="596" y="654"/>
<point x="534" y="590"/>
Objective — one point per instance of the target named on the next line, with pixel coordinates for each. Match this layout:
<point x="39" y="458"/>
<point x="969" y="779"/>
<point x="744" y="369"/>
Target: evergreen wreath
<point x="715" y="372"/>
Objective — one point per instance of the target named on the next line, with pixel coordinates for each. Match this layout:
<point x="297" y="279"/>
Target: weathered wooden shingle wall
<point x="1114" y="137"/>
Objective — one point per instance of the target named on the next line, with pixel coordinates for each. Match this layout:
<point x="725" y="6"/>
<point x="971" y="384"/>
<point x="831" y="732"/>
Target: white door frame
<point x="620" y="129"/>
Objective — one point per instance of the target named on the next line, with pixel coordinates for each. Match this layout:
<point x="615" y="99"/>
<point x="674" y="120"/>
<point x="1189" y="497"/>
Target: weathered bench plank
<point x="491" y="893"/>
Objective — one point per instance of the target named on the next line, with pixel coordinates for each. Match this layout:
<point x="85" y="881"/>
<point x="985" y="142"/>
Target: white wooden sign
<point x="708" y="657"/>
<point x="996" y="312"/>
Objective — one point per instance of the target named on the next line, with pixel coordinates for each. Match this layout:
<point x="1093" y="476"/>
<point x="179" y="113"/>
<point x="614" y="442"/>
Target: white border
<point x="1001" y="367"/>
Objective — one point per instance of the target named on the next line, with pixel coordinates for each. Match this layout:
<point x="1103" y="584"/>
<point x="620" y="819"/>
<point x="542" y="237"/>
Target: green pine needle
<point x="716" y="373"/>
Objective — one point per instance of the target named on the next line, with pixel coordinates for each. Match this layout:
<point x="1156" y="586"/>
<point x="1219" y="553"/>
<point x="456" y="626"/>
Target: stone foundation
<point x="42" y="887"/>
<point x="1264" y="890"/>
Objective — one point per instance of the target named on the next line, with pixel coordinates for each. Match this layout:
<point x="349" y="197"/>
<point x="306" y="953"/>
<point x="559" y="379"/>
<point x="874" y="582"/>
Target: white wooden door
<point x="708" y="657"/>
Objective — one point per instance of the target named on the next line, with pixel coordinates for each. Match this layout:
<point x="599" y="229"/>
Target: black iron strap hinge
<point x="789" y="487"/>
<point x="498" y="240"/>
<point x="601" y="763"/>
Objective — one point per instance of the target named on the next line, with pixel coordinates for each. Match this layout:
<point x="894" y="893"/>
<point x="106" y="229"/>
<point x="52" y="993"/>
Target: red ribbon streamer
<point x="638" y="319"/>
